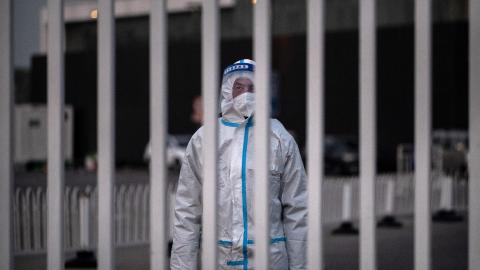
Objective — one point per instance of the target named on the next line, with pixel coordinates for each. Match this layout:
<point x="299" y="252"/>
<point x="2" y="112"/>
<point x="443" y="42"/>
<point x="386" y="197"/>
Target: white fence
<point x="118" y="216"/>
<point x="131" y="202"/>
<point x="80" y="223"/>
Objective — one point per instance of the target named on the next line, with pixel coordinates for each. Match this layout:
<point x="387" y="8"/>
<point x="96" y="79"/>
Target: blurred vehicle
<point x="449" y="153"/>
<point x="341" y="155"/>
<point x="176" y="147"/>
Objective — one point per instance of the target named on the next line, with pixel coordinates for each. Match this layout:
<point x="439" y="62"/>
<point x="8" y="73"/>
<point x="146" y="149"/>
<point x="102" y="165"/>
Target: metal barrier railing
<point x="131" y="217"/>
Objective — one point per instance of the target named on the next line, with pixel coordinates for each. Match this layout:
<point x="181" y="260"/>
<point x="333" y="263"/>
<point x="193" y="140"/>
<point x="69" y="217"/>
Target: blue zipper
<point x="244" y="196"/>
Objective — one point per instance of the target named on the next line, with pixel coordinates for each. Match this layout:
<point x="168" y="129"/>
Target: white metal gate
<point x="210" y="56"/>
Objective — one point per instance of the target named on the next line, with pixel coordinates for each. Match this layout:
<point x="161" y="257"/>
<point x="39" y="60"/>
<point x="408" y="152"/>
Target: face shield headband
<point x="239" y="67"/>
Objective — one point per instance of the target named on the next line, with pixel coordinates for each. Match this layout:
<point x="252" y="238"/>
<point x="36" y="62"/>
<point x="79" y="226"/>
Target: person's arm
<point x="188" y="212"/>
<point x="294" y="201"/>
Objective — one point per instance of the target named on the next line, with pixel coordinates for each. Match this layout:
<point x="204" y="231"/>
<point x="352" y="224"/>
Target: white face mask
<point x="244" y="103"/>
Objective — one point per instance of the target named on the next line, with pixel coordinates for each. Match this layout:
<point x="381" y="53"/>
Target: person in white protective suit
<point x="236" y="176"/>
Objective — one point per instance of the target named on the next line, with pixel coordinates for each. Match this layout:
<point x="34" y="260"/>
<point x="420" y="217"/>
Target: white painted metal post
<point x="261" y="50"/>
<point x="55" y="168"/>
<point x="84" y="216"/>
<point x="368" y="129"/>
<point x="347" y="201"/>
<point x="210" y="87"/>
<point x="474" y="138"/>
<point x="158" y="135"/>
<point x="422" y="134"/>
<point x="315" y="130"/>
<point x="446" y="192"/>
<point x="106" y="133"/>
<point x="390" y="198"/>
<point x="6" y="138"/>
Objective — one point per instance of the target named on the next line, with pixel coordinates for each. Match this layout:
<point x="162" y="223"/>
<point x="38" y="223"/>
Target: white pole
<point x="390" y="198"/>
<point x="6" y="138"/>
<point x="315" y="130"/>
<point x="106" y="134"/>
<point x="367" y="134"/>
<point x="262" y="50"/>
<point x="446" y="200"/>
<point x="158" y="135"/>
<point x="474" y="137"/>
<point x="210" y="87"/>
<point x="84" y="218"/>
<point x="347" y="201"/>
<point x="55" y="168"/>
<point x="422" y="260"/>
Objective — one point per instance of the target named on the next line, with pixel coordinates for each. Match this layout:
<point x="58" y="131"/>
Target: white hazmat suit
<point x="236" y="176"/>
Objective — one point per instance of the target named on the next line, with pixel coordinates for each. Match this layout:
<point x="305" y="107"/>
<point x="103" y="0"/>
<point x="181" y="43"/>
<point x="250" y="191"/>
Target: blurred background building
<point x="394" y="80"/>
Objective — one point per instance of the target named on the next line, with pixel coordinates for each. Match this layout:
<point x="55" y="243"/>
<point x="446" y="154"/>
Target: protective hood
<point x="242" y="68"/>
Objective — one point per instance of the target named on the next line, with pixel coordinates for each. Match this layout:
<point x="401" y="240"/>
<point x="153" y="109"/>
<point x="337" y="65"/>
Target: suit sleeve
<point x="188" y="212"/>
<point x="294" y="201"/>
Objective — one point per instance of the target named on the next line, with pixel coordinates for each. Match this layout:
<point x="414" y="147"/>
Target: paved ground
<point x="394" y="247"/>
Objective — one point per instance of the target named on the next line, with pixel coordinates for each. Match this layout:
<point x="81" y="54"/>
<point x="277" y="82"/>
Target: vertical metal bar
<point x="422" y="133"/>
<point x="210" y="70"/>
<point x="106" y="133"/>
<point x="55" y="139"/>
<point x="315" y="130"/>
<point x="6" y="132"/>
<point x="367" y="134"/>
<point x="474" y="156"/>
<point x="261" y="49"/>
<point x="158" y="135"/>
<point x="55" y="243"/>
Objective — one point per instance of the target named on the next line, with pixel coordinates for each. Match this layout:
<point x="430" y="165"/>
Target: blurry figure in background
<point x="197" y="111"/>
<point x="176" y="144"/>
<point x="236" y="176"/>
